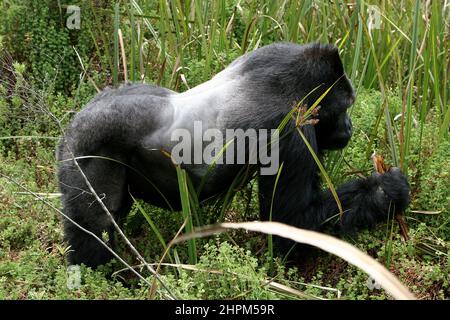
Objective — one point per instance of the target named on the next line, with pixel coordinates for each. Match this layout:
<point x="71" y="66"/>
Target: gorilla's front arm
<point x="132" y="125"/>
<point x="364" y="202"/>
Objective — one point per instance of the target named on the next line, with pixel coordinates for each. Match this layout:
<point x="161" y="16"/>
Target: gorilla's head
<point x="324" y="69"/>
<point x="294" y="72"/>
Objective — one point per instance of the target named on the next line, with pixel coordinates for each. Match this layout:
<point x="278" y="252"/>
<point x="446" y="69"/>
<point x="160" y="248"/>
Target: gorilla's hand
<point x="368" y="201"/>
<point x="393" y="189"/>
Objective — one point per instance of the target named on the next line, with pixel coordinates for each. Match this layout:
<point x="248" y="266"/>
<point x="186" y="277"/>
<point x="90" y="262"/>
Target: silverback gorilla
<point x="133" y="123"/>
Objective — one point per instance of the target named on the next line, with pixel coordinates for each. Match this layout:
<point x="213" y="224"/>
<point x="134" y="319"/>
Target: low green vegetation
<point x="400" y="72"/>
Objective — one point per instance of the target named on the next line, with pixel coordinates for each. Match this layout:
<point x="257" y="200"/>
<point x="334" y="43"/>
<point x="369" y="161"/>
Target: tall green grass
<point x="407" y="53"/>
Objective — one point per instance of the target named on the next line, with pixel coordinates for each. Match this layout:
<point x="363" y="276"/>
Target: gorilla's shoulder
<point x="133" y="89"/>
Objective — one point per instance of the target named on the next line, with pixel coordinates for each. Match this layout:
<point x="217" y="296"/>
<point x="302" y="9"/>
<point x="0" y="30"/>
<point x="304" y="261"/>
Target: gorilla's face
<point x="334" y="129"/>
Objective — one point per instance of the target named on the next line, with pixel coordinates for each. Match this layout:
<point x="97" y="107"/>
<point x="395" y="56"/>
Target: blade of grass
<point x="269" y="240"/>
<point x="116" y="45"/>
<point x="405" y="132"/>
<point x="186" y="210"/>
<point x="152" y="225"/>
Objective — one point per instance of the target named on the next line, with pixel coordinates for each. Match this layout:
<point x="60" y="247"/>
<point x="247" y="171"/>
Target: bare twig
<point x="171" y="243"/>
<point x="85" y="72"/>
<point x="124" y="59"/>
<point x="49" y="204"/>
<point x="105" y="209"/>
<point x="98" y="199"/>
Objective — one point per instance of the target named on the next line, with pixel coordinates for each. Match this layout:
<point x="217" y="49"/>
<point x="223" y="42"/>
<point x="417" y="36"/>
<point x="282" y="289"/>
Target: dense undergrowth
<point x="42" y="79"/>
<point x="32" y="252"/>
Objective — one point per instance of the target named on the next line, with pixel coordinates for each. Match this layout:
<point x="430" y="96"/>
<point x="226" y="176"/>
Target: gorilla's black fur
<point x="130" y="124"/>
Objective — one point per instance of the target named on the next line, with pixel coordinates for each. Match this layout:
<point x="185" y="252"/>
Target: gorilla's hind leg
<point x="108" y="178"/>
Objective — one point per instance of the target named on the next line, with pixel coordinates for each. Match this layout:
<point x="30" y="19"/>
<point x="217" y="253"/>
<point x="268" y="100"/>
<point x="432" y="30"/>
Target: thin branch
<point x="105" y="209"/>
<point x="49" y="204"/>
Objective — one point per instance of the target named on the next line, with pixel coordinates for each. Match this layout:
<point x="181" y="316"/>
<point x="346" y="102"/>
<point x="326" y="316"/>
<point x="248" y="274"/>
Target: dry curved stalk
<point x="325" y="242"/>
